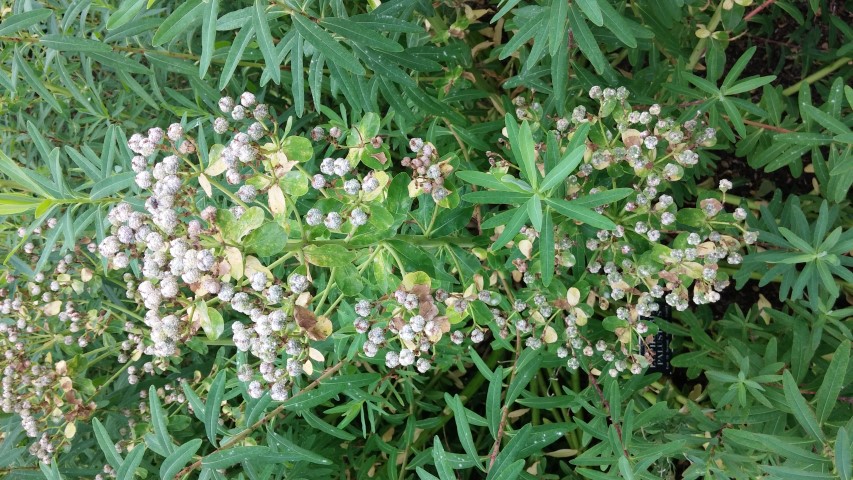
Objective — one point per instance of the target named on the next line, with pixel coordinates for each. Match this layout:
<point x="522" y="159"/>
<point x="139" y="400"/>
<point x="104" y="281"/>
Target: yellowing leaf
<point x="235" y="259"/>
<point x="276" y="200"/>
<point x="549" y="335"/>
<point x="254" y="265"/>
<point x="52" y="308"/>
<point x="70" y="430"/>
<point x="573" y="296"/>
<point x="205" y="185"/>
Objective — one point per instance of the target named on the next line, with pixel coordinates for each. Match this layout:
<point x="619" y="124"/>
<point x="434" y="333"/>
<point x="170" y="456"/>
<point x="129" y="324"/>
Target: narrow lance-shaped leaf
<point x="265" y="42"/>
<point x="546" y="249"/>
<point x="125" y="13"/>
<point x="525" y="153"/>
<point x="212" y="406"/>
<point x="158" y="421"/>
<point x="357" y="33"/>
<point x="208" y="36"/>
<point x="563" y="169"/>
<point x="586" y="41"/>
<point x="324" y="42"/>
<point x="833" y="381"/>
<point x="178" y="459"/>
<point x="482" y="179"/>
<point x="802" y="412"/>
<point x="534" y="211"/>
<point x="184" y="17"/>
<point x="511" y="228"/>
<point x="581" y="214"/>
<point x="19" y="21"/>
<point x="235" y="53"/>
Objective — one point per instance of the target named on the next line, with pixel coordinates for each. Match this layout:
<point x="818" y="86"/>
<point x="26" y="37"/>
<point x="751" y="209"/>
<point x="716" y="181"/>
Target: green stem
<point x="700" y="46"/>
<point x="818" y="75"/>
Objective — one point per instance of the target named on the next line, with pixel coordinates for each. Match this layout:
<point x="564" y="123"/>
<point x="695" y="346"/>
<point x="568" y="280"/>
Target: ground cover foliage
<point x="410" y="239"/>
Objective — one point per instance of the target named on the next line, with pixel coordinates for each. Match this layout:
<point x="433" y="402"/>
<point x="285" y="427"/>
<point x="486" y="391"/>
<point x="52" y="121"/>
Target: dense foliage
<point x="411" y="239"/>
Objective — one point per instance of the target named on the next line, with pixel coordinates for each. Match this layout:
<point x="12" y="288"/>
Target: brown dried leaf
<point x="304" y="318"/>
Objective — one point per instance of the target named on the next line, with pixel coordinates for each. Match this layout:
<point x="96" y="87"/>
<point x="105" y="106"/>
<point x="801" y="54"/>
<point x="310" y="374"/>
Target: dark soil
<point x="758" y="184"/>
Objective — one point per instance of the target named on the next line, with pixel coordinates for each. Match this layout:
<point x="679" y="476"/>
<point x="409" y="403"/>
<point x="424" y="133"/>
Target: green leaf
<point x="795" y="240"/>
<point x="602" y="198"/>
<point x="563" y="169"/>
<point x="325" y="43"/>
<point x="843" y="462"/>
<point x="534" y="211"/>
<point x="235" y="53"/>
<point x="178" y="459"/>
<point x="702" y="84"/>
<point x="509" y="453"/>
<point x="385" y="23"/>
<point x="592" y="11"/>
<point x="546" y="249"/>
<point x="20" y="21"/>
<point x="212" y="406"/>
<point x="524" y="152"/>
<point x="50" y="472"/>
<point x="67" y="43"/>
<point x="827" y="121"/>
<point x="482" y="179"/>
<point x="265" y="41"/>
<point x="586" y="41"/>
<point x="511" y="471"/>
<point x="208" y="36"/>
<point x="17" y="203"/>
<point x="127" y="470"/>
<point x="234" y="455"/>
<point x="297" y="149"/>
<point x="581" y="214"/>
<point x="802" y="412"/>
<point x="329" y="255"/>
<point x="833" y="382"/>
<point x="738" y="67"/>
<point x="357" y="33"/>
<point x="493" y="197"/>
<point x="106" y="444"/>
<point x="796" y="473"/>
<point x="463" y="429"/>
<point x="783" y="446"/>
<point x="125" y="13"/>
<point x="119" y="63"/>
<point x="35" y="83"/>
<point x="297" y="75"/>
<point x="210" y="320"/>
<point x="296" y="453"/>
<point x="184" y="17"/>
<point x="509" y="5"/>
<point x="20" y="175"/>
<point x="512" y="228"/>
<point x="734" y="116"/>
<point x="615" y="22"/>
<point x="442" y="464"/>
<point x="158" y="421"/>
<point x="268" y="240"/>
<point x="194" y="401"/>
<point x="527" y="366"/>
<point x="557" y="27"/>
<point x="493" y="401"/>
<point x="625" y="468"/>
<point x="748" y="84"/>
<point x="110" y="185"/>
<point x="234" y="229"/>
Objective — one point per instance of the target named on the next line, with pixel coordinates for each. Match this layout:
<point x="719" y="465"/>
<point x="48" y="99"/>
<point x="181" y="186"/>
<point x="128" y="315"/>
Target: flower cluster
<point x="428" y="171"/>
<point x="41" y="313"/>
<point x="659" y="251"/>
